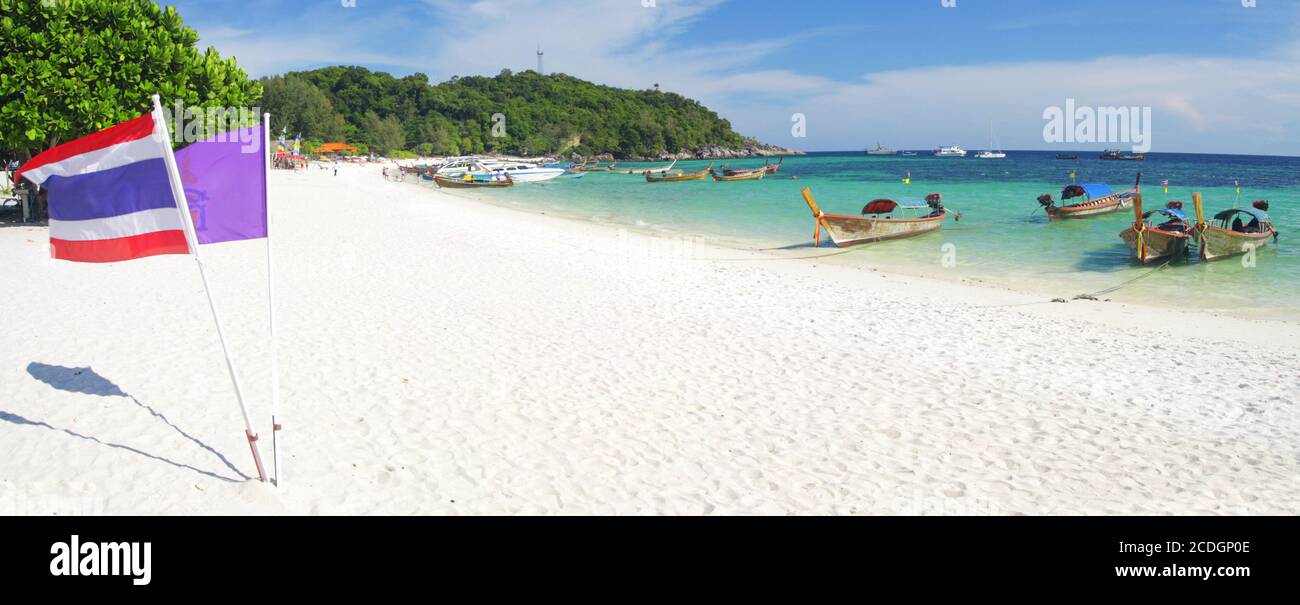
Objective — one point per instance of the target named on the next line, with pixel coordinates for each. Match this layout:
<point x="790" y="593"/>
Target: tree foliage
<point x="550" y="114"/>
<point x="73" y="67"/>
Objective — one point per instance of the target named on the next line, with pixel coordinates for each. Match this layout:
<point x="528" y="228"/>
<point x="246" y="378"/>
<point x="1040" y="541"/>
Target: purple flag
<point x="225" y="185"/>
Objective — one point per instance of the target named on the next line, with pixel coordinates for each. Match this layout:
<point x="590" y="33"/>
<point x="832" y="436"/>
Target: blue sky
<point x="1218" y="77"/>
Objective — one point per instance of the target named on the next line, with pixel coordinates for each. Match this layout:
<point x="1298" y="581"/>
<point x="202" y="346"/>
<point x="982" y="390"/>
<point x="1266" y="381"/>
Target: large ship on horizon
<point x="880" y="150"/>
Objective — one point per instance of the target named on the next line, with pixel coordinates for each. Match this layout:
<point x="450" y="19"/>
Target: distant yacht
<point x="994" y="151"/>
<point x="950" y="152"/>
<point x="908" y="153"/>
<point x="881" y="150"/>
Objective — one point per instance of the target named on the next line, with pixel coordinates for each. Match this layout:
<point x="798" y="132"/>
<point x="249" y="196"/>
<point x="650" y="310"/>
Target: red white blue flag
<point x="110" y="198"/>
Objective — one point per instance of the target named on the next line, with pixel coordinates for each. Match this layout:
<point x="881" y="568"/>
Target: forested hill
<point x="551" y="114"/>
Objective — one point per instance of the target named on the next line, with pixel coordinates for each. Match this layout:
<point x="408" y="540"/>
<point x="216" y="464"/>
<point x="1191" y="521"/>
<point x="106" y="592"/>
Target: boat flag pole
<point x="270" y="299"/>
<point x="178" y="194"/>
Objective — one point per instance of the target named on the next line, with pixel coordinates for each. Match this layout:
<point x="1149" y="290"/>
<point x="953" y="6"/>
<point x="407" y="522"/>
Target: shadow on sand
<point x="87" y="381"/>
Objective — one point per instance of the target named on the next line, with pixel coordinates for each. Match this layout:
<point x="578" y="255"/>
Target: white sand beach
<point x="441" y="355"/>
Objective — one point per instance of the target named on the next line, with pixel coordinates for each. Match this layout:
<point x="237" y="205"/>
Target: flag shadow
<point x="87" y="381"/>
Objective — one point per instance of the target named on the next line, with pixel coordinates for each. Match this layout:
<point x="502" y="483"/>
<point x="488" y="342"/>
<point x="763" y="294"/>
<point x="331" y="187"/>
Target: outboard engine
<point x="1046" y="200"/>
<point x="1261" y="205"/>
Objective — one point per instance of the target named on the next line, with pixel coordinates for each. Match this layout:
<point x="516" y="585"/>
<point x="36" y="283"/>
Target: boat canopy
<point x="1173" y="213"/>
<point x="1259" y="215"/>
<point x="880" y="207"/>
<point x="1096" y="190"/>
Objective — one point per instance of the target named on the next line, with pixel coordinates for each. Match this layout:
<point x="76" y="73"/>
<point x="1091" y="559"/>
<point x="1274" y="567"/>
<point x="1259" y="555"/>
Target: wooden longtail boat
<point x="472" y="183"/>
<point x="768" y="167"/>
<point x="1150" y="241"/>
<point x="1098" y="200"/>
<point x="752" y="175"/>
<point x="846" y="230"/>
<point x="654" y="171"/>
<point x="598" y="168"/>
<point x="679" y="176"/>
<point x="1233" y="232"/>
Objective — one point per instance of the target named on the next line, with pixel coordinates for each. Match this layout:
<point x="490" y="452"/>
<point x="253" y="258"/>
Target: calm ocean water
<point x="1003" y="237"/>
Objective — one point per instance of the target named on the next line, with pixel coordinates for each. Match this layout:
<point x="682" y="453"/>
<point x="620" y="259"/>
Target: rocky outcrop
<point x="752" y="149"/>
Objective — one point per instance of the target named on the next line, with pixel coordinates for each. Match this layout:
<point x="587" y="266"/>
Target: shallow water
<point x="1002" y="238"/>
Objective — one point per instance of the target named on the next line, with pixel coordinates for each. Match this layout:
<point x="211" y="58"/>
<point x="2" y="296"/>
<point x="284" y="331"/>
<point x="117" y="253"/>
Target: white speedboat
<point x="950" y="152"/>
<point x="990" y="155"/>
<point x="519" y="172"/>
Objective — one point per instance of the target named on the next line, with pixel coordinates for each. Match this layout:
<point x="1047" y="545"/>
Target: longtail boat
<point x="654" y="171"/>
<point x="750" y="175"/>
<point x="1233" y="232"/>
<point x="473" y="182"/>
<point x="599" y="168"/>
<point x="679" y="176"/>
<point x="1098" y="199"/>
<point x="1151" y="241"/>
<point x="847" y="230"/>
<point x="766" y="168"/>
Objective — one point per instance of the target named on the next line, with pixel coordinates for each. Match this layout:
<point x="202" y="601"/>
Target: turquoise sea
<point x="1003" y="237"/>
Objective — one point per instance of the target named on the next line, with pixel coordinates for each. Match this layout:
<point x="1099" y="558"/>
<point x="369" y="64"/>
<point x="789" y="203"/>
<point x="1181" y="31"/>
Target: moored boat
<point x="1116" y="154"/>
<point x="1158" y="234"/>
<point x="470" y="181"/>
<point x="599" y="168"/>
<point x="1234" y="231"/>
<point x="768" y="167"/>
<point x="880" y="150"/>
<point x="654" y="171"/>
<point x="679" y="176"/>
<point x="1097" y="199"/>
<point x="950" y="152"/>
<point x="877" y="222"/>
<point x="748" y="175"/>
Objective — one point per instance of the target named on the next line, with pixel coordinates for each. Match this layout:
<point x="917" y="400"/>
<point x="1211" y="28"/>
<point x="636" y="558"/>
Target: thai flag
<point x="110" y="197"/>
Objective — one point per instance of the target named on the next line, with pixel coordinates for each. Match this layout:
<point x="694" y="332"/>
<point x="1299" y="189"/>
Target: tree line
<point x="70" y="68"/>
<point x="525" y="114"/>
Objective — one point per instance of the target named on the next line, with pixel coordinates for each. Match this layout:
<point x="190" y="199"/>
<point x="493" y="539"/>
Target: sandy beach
<point x="441" y="355"/>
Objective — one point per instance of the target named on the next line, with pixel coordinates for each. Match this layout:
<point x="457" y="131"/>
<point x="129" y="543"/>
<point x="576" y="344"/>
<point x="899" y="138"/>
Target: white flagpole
<point x="178" y="193"/>
<point x="270" y="299"/>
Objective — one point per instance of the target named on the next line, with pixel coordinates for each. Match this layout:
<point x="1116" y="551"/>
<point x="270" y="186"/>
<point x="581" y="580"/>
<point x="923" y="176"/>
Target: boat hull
<point x="450" y="183"/>
<point x="680" y="178"/>
<point x="749" y="176"/>
<point x="1153" y="244"/>
<point x="1091" y="208"/>
<point x="1217" y="243"/>
<point x="539" y="175"/>
<point x="846" y="230"/>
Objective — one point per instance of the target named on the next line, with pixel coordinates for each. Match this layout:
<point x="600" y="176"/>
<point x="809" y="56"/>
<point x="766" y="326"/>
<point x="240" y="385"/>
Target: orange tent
<point x="335" y="148"/>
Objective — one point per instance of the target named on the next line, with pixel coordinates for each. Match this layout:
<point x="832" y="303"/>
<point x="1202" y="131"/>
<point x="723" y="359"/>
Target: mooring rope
<point x="1126" y="283"/>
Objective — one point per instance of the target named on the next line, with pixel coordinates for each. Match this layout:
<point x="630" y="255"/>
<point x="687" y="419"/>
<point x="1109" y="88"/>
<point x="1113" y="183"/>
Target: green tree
<point x="384" y="135"/>
<point x="73" y="67"/>
<point x="298" y="105"/>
